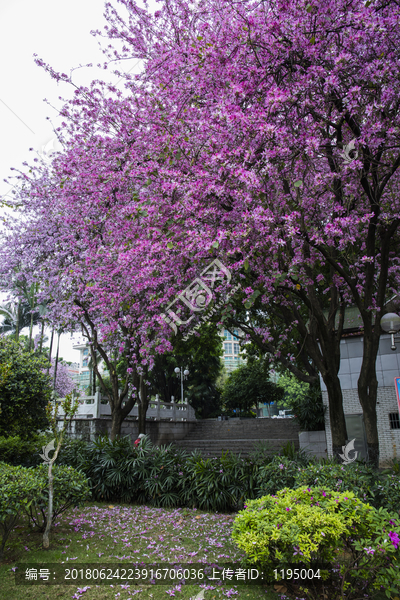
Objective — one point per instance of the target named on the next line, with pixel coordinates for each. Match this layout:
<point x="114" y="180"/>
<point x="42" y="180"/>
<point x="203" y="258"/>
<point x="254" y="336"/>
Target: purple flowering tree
<point x="64" y="382"/>
<point x="265" y="134"/>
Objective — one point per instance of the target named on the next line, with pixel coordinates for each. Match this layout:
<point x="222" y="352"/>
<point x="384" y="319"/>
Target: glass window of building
<point x="85" y="362"/>
<point x="227" y="335"/>
<point x="235" y="334"/>
<point x="236" y="348"/>
<point x="85" y="352"/>
<point x="228" y="347"/>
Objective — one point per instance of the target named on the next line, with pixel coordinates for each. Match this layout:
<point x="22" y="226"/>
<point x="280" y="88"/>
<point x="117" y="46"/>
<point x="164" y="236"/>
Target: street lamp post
<point x="183" y="375"/>
<point x="390" y="323"/>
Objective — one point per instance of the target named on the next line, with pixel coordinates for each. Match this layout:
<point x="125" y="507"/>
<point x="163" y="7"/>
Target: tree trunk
<point x="46" y="535"/>
<point x="368" y="391"/>
<point x="91" y="393"/>
<point x="94" y="373"/>
<point x="41" y="337"/>
<point x="56" y="363"/>
<point x="17" y="323"/>
<point x="50" y="351"/>
<point x="336" y="413"/>
<point x="116" y="422"/>
<point x="30" y="332"/>
<point x="143" y="405"/>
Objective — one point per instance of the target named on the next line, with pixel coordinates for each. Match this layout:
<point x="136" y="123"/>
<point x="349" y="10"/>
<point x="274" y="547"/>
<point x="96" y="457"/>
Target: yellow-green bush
<point x="309" y="526"/>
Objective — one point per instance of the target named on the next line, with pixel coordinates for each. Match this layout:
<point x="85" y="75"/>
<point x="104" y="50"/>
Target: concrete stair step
<point x="272" y="441"/>
<point x="212" y="437"/>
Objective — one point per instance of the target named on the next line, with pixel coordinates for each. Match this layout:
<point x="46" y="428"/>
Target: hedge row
<point x="167" y="476"/>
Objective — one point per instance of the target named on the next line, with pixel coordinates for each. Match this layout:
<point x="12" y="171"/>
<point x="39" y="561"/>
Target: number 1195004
<point x="297" y="573"/>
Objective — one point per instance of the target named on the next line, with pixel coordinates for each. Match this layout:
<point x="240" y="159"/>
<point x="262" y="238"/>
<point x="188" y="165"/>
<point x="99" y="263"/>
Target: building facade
<point x="84" y="377"/>
<point x="232" y="359"/>
<point x="387" y="368"/>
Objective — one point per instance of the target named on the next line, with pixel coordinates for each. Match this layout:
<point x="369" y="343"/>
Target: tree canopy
<point x="201" y="355"/>
<point x="248" y="385"/>
<point x="25" y="390"/>
<point x="266" y="135"/>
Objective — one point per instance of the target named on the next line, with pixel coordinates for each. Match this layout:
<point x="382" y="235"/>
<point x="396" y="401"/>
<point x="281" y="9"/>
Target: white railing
<point x="97" y="406"/>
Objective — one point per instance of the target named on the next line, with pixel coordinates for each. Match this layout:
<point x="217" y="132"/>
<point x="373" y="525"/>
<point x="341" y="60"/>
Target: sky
<point x="59" y="33"/>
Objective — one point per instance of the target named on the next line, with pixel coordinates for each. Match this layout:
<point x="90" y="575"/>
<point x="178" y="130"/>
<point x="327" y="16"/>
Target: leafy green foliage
<point x="24" y="392"/>
<point x="305" y="401"/>
<point x="280" y="473"/>
<point x="18" y="490"/>
<point x="248" y="385"/>
<point x="358" y="477"/>
<point x="17" y="451"/>
<point x="262" y="452"/>
<point x="17" y="316"/>
<point x="299" y="455"/>
<point x="386" y="491"/>
<point x="293" y="388"/>
<point x="380" y="490"/>
<point x="201" y="354"/>
<point x="316" y="525"/>
<point x="218" y="484"/>
<point x="309" y="411"/>
<point x="70" y="489"/>
<point x="162" y="476"/>
<point x="167" y="476"/>
<point x="25" y="491"/>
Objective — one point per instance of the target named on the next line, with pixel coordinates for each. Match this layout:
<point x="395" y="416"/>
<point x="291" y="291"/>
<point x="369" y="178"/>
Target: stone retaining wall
<point x="160" y="432"/>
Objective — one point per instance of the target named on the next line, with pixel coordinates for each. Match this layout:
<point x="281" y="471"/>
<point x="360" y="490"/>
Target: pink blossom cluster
<point x="233" y="142"/>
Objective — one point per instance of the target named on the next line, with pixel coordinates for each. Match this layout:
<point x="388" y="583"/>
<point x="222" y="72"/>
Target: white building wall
<point x="387" y="367"/>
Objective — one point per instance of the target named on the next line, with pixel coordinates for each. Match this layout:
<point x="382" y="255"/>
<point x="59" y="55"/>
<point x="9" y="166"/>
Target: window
<point x="85" y="362"/>
<point x="85" y="352"/>
<point x="235" y="334"/>
<point x="228" y="347"/>
<point x="235" y="348"/>
<point x="394" y="420"/>
<point x="227" y="335"/>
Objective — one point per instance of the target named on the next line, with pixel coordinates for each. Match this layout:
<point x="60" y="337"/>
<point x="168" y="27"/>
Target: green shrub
<point x="357" y="477"/>
<point x="309" y="410"/>
<point x="217" y="484"/>
<point x="160" y="470"/>
<point x="70" y="489"/>
<point x="387" y="492"/>
<point x="162" y="476"/>
<point x="75" y="453"/>
<point x="262" y="452"/>
<point x="19" y="489"/>
<point x="17" y="451"/>
<point x="308" y="526"/>
<point x="280" y="473"/>
<point x="296" y="454"/>
<point x="111" y="469"/>
<point x="117" y="471"/>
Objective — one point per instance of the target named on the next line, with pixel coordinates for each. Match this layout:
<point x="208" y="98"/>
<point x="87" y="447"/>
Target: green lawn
<point x="102" y="534"/>
<point x="123" y="534"/>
